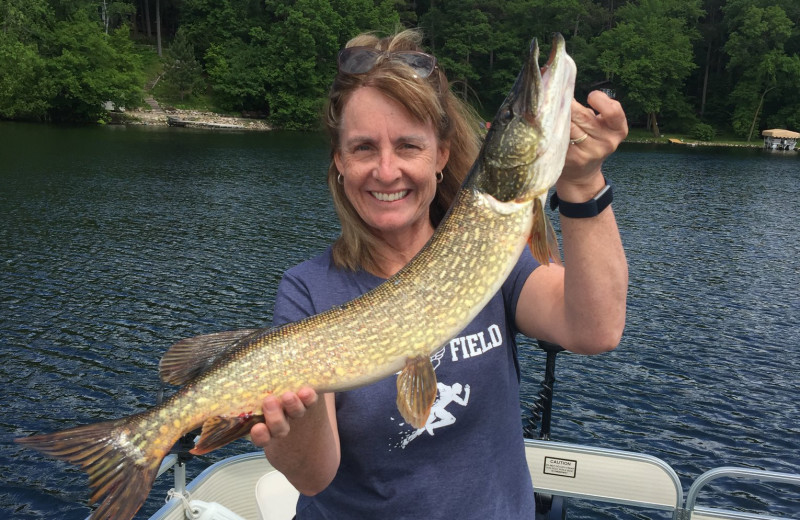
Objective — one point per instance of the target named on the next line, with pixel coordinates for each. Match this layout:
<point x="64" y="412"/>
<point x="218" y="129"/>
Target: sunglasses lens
<point x="423" y="64"/>
<point x="360" y="60"/>
<point x="357" y="60"/>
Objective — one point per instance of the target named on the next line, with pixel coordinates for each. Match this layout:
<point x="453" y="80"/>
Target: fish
<point x="392" y="329"/>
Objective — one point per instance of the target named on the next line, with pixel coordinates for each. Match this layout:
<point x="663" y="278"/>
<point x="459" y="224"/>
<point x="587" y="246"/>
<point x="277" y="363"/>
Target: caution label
<point x="560" y="467"/>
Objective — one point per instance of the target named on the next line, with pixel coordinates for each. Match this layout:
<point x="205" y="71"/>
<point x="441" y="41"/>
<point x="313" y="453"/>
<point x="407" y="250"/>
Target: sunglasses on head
<point x="360" y="60"/>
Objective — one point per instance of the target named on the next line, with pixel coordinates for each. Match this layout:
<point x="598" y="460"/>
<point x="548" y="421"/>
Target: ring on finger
<point x="579" y="140"/>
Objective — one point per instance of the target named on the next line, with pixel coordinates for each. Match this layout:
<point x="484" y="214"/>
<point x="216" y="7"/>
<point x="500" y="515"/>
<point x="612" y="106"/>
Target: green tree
<point x="357" y="16"/>
<point x="277" y="56"/>
<point x="304" y="39"/>
<point x="758" y="58"/>
<point x="237" y="72"/>
<point x="407" y="12"/>
<point x="25" y="88"/>
<point x="649" y="53"/>
<point x="482" y="43"/>
<point x="709" y="57"/>
<point x="183" y="73"/>
<point x="90" y="68"/>
<point x="215" y="22"/>
<point x="114" y="14"/>
<point x="460" y="37"/>
<point x="58" y="63"/>
<point x="303" y="43"/>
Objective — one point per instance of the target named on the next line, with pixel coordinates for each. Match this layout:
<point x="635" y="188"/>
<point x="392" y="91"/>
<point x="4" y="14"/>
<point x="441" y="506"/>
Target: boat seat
<point x="276" y="498"/>
<point x="751" y="476"/>
<point x="604" y="475"/>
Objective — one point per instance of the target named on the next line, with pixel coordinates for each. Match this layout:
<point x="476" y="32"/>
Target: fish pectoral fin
<point x="552" y="243"/>
<point x="416" y="390"/>
<point x="190" y="357"/>
<point x="543" y="241"/>
<point x="220" y="430"/>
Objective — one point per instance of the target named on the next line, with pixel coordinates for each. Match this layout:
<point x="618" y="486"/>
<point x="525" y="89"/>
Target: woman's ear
<point x="443" y="156"/>
<point x="337" y="160"/>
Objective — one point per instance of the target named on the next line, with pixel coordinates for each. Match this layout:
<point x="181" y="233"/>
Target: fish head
<point x="524" y="150"/>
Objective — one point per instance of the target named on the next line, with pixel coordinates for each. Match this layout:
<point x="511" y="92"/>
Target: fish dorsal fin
<point x="220" y="430"/>
<point x="416" y="390"/>
<point x="190" y="357"/>
<point x="543" y="241"/>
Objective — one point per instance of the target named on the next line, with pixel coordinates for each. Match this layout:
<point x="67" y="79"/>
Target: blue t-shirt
<point x="469" y="459"/>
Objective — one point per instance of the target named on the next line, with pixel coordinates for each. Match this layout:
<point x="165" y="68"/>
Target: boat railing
<point x="696" y="512"/>
<point x="566" y="471"/>
<point x="603" y="474"/>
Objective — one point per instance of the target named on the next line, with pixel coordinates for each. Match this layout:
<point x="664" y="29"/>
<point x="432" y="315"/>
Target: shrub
<point x="703" y="132"/>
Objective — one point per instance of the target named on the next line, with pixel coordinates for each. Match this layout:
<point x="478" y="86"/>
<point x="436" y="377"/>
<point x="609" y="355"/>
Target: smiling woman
<point x="388" y="164"/>
<point x="411" y="84"/>
<point x="401" y="145"/>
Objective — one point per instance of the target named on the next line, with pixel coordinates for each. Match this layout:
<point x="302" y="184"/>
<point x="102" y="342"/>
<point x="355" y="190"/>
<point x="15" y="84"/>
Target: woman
<point x="401" y="145"/>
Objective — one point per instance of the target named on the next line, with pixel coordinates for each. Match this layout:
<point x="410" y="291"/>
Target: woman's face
<point x="388" y="162"/>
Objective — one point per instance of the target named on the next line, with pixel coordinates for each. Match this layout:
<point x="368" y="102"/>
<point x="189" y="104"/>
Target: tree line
<point x="688" y="66"/>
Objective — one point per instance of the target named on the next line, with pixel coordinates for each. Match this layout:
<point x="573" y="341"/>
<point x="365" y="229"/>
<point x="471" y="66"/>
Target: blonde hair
<point x="455" y="123"/>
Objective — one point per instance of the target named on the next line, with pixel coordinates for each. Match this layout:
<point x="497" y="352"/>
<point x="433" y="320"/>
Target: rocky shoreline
<point x="212" y="121"/>
<point x="191" y="119"/>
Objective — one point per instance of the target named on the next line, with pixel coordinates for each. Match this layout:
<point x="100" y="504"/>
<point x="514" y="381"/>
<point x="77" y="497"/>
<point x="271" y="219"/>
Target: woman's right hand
<point x="279" y="411"/>
<point x="300" y="438"/>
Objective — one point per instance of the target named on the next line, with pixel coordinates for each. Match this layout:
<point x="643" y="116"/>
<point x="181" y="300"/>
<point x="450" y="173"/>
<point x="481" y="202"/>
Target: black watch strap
<point x="588" y="209"/>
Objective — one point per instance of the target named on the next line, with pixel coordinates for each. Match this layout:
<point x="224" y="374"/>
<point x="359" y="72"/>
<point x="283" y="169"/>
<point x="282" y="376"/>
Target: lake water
<point x="116" y="242"/>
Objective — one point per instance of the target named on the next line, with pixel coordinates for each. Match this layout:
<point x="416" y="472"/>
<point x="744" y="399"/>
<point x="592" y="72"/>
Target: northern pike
<point x="394" y="328"/>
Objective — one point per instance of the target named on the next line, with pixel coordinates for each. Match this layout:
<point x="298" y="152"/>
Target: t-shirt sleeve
<point x="515" y="281"/>
<point x="293" y="301"/>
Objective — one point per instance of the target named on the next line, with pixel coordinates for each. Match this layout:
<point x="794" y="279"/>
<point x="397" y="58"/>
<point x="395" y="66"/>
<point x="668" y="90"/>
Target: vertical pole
<point x="180" y="476"/>
<point x="546" y="394"/>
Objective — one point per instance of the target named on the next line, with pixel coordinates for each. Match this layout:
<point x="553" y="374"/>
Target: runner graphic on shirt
<point x="439" y="416"/>
<point x="468" y="348"/>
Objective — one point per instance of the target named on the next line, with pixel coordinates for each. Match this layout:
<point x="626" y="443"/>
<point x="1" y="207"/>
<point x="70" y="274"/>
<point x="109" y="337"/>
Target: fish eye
<point x="506" y="115"/>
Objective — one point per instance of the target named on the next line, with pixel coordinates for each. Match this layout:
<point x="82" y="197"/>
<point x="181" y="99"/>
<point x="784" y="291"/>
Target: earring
<point x="439" y="176"/>
<point x="340" y="179"/>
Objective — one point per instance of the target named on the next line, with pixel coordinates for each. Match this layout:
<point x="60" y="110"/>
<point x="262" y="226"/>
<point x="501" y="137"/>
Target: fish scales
<point x="393" y="328"/>
<point x="333" y="349"/>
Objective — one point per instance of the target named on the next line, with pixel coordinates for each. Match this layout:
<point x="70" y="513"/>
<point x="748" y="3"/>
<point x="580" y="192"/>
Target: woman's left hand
<point x="604" y="125"/>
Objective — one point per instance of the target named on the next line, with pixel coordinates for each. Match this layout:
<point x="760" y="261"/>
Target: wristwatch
<point x="588" y="209"/>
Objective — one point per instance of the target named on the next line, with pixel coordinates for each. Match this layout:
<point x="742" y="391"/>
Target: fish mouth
<point x="525" y="148"/>
<point x="540" y="91"/>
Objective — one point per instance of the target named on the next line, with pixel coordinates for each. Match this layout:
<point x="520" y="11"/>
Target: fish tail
<point x="120" y="464"/>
